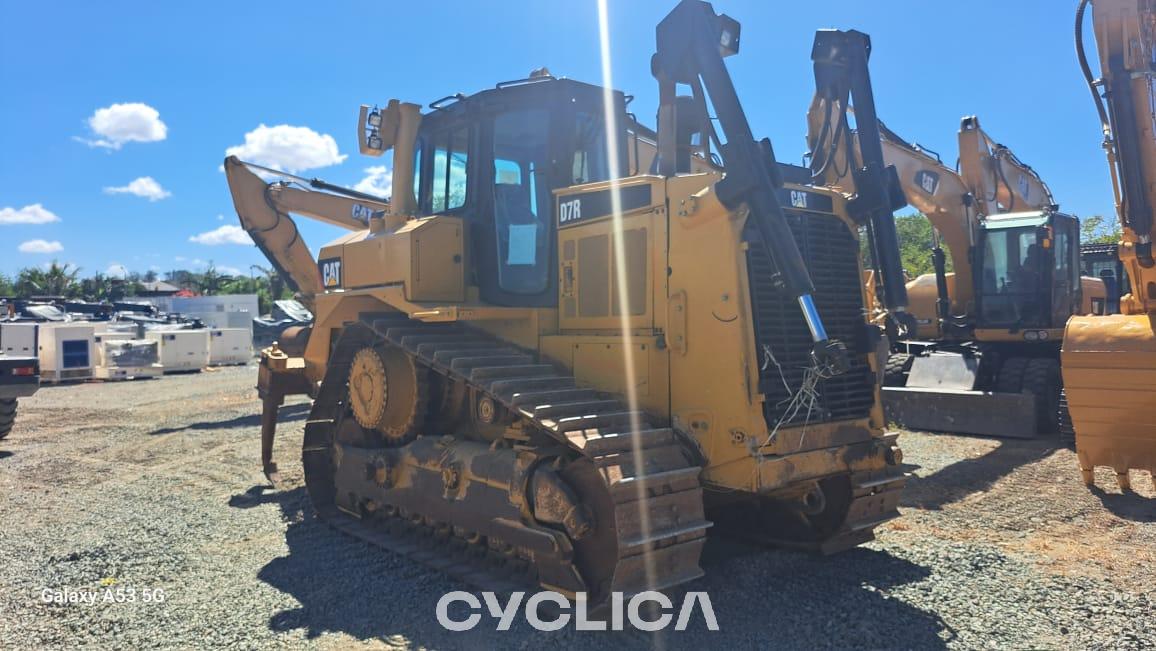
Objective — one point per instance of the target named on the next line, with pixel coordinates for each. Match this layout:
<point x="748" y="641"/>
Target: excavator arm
<point x="1124" y="94"/>
<point x="1109" y="362"/>
<point x="1000" y="182"/>
<point x="264" y="211"/>
<point x="943" y="197"/>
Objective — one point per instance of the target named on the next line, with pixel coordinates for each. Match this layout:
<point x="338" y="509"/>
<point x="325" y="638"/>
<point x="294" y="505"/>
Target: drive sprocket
<point x="387" y="393"/>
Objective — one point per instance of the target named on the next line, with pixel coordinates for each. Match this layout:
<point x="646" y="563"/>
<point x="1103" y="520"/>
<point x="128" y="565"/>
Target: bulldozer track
<point x="656" y="496"/>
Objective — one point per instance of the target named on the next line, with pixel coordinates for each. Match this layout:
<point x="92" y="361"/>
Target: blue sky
<point x="214" y="71"/>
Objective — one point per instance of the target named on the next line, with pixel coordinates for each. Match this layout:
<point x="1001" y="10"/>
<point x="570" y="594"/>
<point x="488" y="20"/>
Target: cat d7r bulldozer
<point x="1109" y="362"/>
<point x="569" y="344"/>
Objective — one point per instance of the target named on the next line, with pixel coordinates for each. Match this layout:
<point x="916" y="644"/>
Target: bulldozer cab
<point x="494" y="159"/>
<point x="1030" y="274"/>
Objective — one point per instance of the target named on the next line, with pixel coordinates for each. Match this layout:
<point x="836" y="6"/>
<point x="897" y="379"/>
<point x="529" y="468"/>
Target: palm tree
<point x="55" y="280"/>
<point x="210" y="281"/>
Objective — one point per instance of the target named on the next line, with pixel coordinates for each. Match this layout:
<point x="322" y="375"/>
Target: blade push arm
<point x="691" y="43"/>
<point x="843" y="86"/>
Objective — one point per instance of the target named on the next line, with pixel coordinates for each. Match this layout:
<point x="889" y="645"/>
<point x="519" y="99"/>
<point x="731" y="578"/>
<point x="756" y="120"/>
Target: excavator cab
<point x="1029" y="276"/>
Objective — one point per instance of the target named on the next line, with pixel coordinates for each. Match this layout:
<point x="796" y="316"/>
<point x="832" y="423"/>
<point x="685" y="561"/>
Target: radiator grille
<point x="832" y="257"/>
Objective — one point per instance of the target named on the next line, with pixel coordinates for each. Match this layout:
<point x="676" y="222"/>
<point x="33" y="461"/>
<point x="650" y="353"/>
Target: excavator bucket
<point x="1109" y="367"/>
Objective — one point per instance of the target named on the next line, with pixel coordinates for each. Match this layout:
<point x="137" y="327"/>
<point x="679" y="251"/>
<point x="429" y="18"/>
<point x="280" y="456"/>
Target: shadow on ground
<point x="1129" y="506"/>
<point x="969" y="476"/>
<point x="286" y="414"/>
<point x="762" y="598"/>
<point x="4" y="454"/>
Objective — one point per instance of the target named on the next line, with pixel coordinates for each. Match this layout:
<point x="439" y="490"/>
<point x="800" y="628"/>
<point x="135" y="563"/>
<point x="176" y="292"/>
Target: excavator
<point x="984" y="356"/>
<point x="1109" y="362"/>
<point x="568" y="344"/>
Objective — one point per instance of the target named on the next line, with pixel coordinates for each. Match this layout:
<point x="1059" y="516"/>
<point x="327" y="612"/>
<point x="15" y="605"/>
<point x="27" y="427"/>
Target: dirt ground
<point x="150" y="486"/>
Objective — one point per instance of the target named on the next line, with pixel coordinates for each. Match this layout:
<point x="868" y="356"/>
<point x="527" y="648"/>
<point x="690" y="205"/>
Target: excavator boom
<point x="264" y="208"/>
<point x="1000" y="182"/>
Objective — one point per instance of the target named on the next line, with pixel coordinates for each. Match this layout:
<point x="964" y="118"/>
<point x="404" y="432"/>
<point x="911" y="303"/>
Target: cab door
<point x="1067" y="290"/>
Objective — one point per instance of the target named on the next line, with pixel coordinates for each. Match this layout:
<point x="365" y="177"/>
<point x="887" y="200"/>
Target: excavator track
<point x="643" y="484"/>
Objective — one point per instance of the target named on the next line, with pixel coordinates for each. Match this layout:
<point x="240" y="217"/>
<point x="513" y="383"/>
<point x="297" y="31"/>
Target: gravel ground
<point x="155" y="486"/>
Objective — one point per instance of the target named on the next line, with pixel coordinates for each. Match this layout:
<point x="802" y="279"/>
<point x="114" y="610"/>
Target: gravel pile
<point x="115" y="489"/>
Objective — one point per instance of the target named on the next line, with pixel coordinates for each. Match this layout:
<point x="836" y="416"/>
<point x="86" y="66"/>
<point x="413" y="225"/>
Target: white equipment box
<point x="18" y="339"/>
<point x="66" y="351"/>
<point x="182" y="350"/>
<point x="121" y="357"/>
<point x="230" y="346"/>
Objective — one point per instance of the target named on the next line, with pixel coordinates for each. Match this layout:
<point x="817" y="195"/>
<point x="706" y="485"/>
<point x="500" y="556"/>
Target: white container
<point x="230" y="346"/>
<point x="182" y="350"/>
<point x="119" y="356"/>
<point x="67" y="351"/>
<point x="18" y="339"/>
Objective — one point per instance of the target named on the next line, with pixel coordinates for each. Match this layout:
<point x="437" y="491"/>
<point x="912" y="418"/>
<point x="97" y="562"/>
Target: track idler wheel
<point x="387" y="393"/>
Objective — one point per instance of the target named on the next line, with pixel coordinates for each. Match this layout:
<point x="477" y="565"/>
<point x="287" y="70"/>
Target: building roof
<point x="160" y="286"/>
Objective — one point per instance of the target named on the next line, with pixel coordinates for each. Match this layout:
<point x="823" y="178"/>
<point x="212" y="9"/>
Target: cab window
<point x="522" y="201"/>
<point x="1013" y="273"/>
<point x="591" y="162"/>
<point x="448" y="173"/>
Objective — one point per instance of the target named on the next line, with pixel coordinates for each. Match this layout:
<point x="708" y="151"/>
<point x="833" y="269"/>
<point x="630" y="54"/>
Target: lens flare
<point x="611" y="118"/>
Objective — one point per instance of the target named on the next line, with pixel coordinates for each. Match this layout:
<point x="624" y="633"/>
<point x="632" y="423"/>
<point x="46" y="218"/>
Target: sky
<point x="115" y="116"/>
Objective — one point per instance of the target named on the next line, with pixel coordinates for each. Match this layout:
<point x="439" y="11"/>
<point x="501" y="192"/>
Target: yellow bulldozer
<point x="1109" y="362"/>
<point x="568" y="344"/>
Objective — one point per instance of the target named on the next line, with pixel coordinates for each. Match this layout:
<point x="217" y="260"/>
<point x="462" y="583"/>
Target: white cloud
<point x="145" y="186"/>
<point x="40" y="246"/>
<point x="220" y="218"/>
<point x="378" y="181"/>
<point x="116" y="270"/>
<point x="228" y="271"/>
<point x="289" y="148"/>
<point x="121" y="123"/>
<point x="227" y="234"/>
<point x="34" y="214"/>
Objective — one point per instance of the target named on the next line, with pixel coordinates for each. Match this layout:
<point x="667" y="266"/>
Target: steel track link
<point x="659" y="537"/>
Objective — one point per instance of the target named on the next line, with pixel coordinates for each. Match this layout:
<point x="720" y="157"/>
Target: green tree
<point x="6" y="286"/>
<point x="210" y="280"/>
<point x="915" y="242"/>
<point x="55" y="280"/>
<point x="1097" y="230"/>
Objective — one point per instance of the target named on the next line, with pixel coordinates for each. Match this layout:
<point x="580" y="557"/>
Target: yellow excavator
<point x="1109" y="362"/>
<point x="567" y="340"/>
<point x="984" y="354"/>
